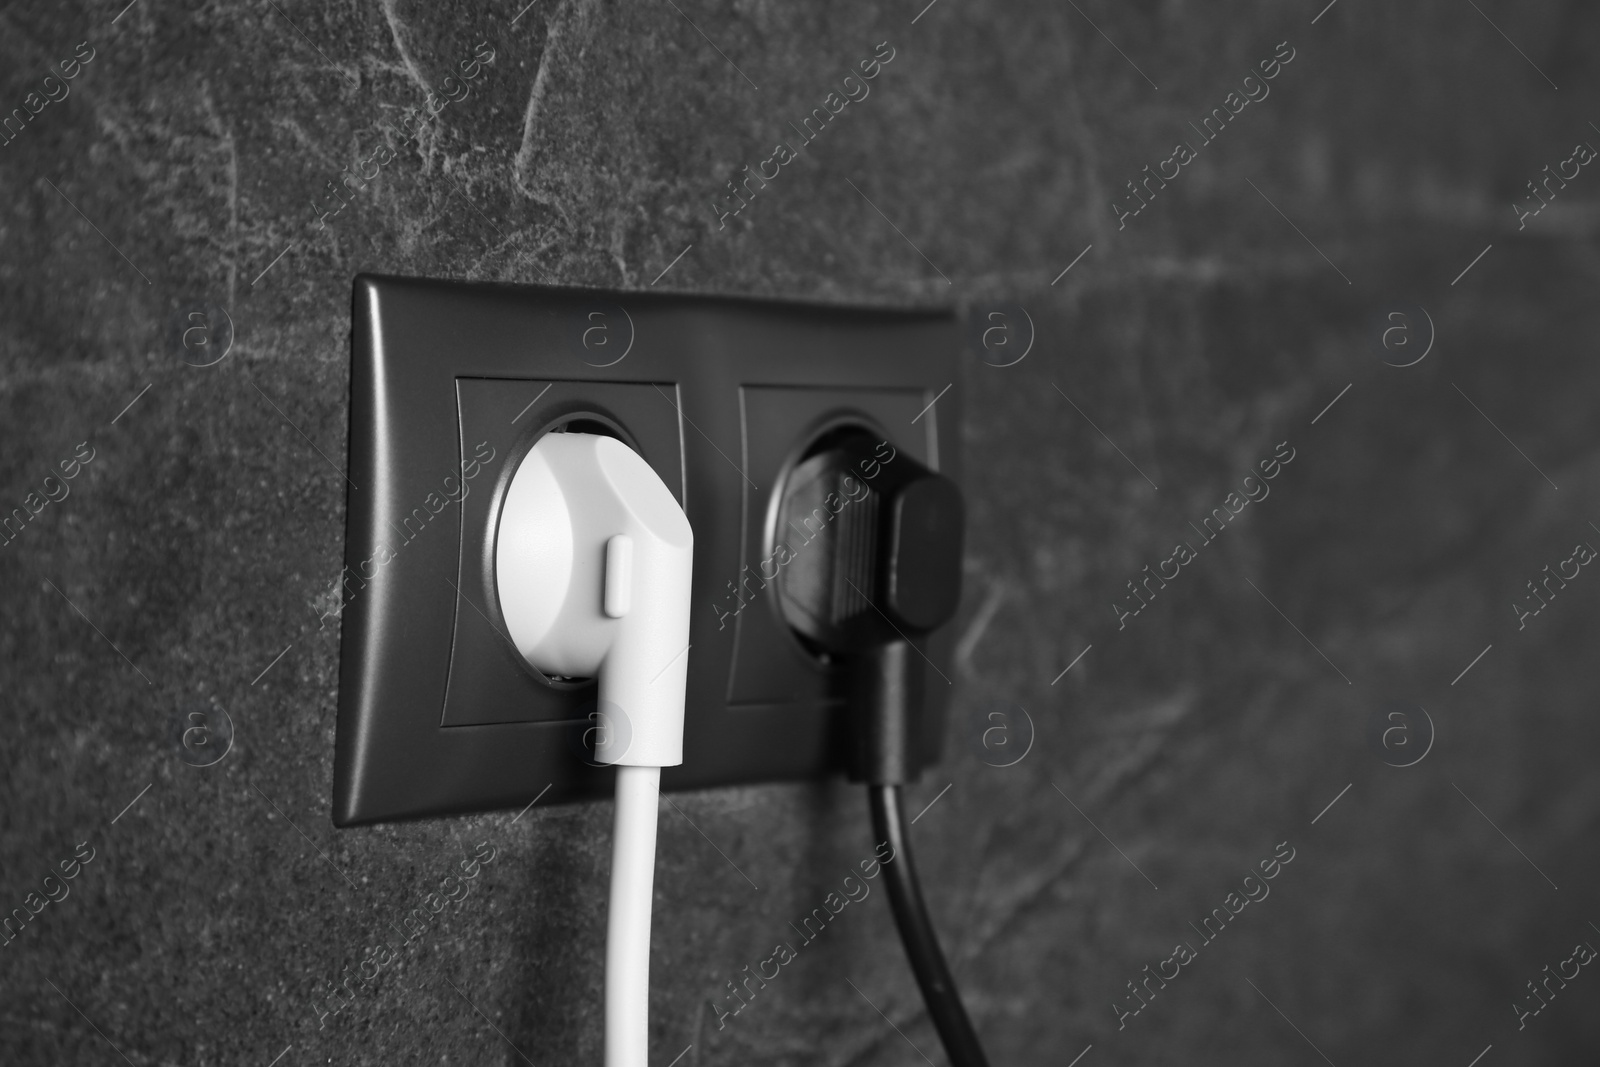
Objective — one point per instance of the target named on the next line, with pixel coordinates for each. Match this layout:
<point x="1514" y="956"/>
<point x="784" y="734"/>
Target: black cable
<point x="916" y="932"/>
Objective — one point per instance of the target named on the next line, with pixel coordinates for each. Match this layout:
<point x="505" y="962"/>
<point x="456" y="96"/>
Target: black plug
<point x="882" y="564"/>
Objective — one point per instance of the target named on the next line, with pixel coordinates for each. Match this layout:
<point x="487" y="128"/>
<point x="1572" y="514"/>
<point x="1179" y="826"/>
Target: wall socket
<point x="452" y="383"/>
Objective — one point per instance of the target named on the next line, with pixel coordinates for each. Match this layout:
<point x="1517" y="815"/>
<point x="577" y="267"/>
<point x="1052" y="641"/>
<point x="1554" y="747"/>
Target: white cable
<point x="633" y="863"/>
<point x="593" y="560"/>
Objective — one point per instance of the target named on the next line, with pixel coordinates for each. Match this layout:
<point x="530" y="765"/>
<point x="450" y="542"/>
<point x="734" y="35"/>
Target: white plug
<point x="593" y="559"/>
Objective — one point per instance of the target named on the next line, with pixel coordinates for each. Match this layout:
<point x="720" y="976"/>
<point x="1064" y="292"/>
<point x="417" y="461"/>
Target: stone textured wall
<point x="199" y="542"/>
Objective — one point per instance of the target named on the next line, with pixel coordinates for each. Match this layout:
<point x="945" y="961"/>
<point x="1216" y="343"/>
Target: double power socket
<point x="452" y="383"/>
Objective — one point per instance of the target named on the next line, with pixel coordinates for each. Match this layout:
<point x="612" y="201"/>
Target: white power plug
<point x="593" y="559"/>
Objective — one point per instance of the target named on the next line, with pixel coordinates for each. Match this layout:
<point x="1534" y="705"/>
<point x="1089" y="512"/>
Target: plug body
<point x="593" y="561"/>
<point x="884" y="568"/>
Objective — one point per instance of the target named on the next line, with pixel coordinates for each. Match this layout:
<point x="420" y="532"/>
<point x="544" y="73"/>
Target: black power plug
<point x="881" y="564"/>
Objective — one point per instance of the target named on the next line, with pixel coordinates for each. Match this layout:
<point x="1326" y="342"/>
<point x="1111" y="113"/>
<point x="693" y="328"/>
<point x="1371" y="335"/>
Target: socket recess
<point x="452" y="383"/>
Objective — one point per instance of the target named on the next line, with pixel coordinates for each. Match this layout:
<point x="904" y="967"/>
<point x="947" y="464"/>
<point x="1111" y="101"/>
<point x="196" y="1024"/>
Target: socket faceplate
<point x="452" y="383"/>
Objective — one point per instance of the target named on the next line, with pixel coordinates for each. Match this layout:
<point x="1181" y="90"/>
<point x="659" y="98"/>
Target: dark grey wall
<point x="203" y="537"/>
